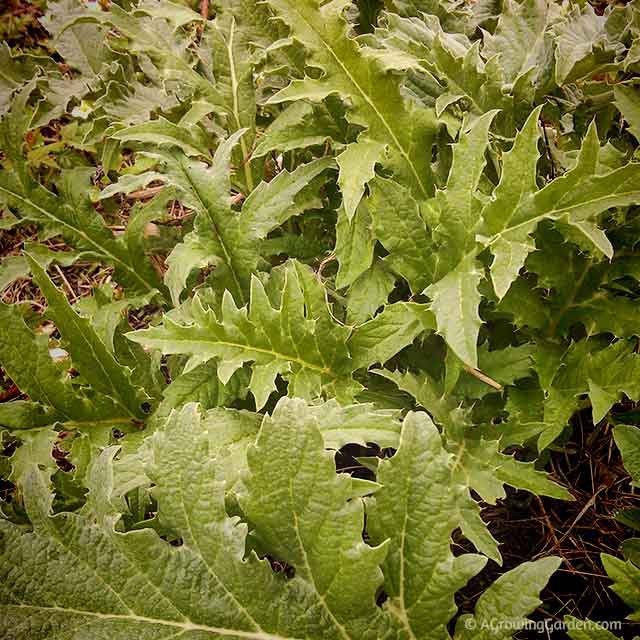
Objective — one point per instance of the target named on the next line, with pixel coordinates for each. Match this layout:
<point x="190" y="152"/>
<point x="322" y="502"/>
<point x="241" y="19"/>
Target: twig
<point x="72" y="293"/>
<point x="204" y="9"/>
<point x="330" y="258"/>
<point x="554" y="538"/>
<point x="483" y="377"/>
<point x="584" y="510"/>
<point x="548" y="150"/>
<point x="141" y="194"/>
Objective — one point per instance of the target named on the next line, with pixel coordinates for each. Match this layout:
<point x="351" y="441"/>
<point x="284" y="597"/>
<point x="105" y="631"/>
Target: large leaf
<point x="417" y="511"/>
<point x="71" y="214"/>
<point x="221" y="236"/>
<point x="114" y="575"/>
<point x="313" y="521"/>
<point x="575" y="198"/>
<point x="374" y="94"/>
<point x="97" y="365"/>
<point x="298" y="340"/>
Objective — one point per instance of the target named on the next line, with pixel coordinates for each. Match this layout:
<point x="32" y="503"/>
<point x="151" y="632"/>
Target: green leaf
<point x="217" y="238"/>
<point x="374" y="95"/>
<point x="161" y="132"/>
<point x="323" y="186"/>
<point x="627" y="439"/>
<point x="200" y="385"/>
<point x="427" y="392"/>
<point x="517" y="181"/>
<point x="587" y="630"/>
<point x="354" y="245"/>
<point x="480" y="465"/>
<point x="222" y="237"/>
<point x="312" y="520"/>
<point x="272" y="203"/>
<point x="579" y="39"/>
<point x="400" y="228"/>
<point x="284" y="340"/>
<point x="576" y="198"/>
<point x="628" y="102"/>
<point x="505" y="366"/>
<point x="232" y="431"/>
<point x="301" y="124"/>
<point x="36" y="374"/>
<point x="586" y="281"/>
<point x="415" y="511"/>
<point x="626" y="582"/>
<point x="18" y="69"/>
<point x="112" y="596"/>
<point x="395" y="328"/>
<point x="93" y="359"/>
<point x="357" y="163"/>
<point x="522" y="40"/>
<point x="72" y="214"/>
<point x="369" y="292"/>
<point x="603" y="374"/>
<point x="503" y="607"/>
<point x="454" y="302"/>
<point x="83" y="45"/>
<point x="458" y="207"/>
<point x="26" y="357"/>
<point x="233" y="70"/>
<point x="22" y="414"/>
<point x="453" y="70"/>
<point x="15" y="267"/>
<point x="36" y="448"/>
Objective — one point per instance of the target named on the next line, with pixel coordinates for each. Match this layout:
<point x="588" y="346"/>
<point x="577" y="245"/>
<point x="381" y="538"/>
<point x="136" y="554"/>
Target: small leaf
<point x="503" y="607"/>
<point x="390" y="331"/>
<point x="357" y="163"/>
<point x="454" y="302"/>
<point x="162" y="132"/>
<point x="402" y="231"/>
<point x="628" y="102"/>
<point x="627" y="438"/>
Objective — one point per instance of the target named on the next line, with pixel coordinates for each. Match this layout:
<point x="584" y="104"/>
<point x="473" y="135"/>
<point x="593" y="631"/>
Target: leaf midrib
<point x="558" y="212"/>
<point x="246" y="347"/>
<point x="227" y="256"/>
<point x="236" y="105"/>
<point x="296" y="527"/>
<point x="185" y="626"/>
<point x="101" y="249"/>
<point x="369" y="101"/>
